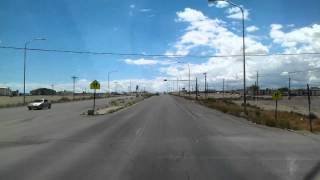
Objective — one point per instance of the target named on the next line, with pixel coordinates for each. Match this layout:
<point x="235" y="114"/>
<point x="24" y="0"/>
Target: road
<point x="160" y="138"/>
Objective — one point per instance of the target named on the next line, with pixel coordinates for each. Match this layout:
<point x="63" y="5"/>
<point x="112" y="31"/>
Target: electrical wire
<point x="154" y="55"/>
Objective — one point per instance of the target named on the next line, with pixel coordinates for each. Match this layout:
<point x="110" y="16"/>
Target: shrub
<point x="64" y="99"/>
<point x="313" y="116"/>
<point x="271" y="122"/>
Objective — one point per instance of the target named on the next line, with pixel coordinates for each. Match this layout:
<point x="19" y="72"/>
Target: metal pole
<point x="205" y="84"/>
<point x="309" y="103"/>
<point x="189" y="79"/>
<point x="244" y="62"/>
<point x="24" y="66"/>
<point x="24" y="73"/>
<point x="223" y="88"/>
<point x="108" y="83"/>
<point x="289" y="88"/>
<point x="243" y="51"/>
<point x="276" y="111"/>
<point x="74" y="85"/>
<point x="94" y="100"/>
<point x="196" y="88"/>
<point x="257" y="86"/>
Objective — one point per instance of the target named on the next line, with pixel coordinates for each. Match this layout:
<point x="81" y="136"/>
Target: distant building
<point x="15" y="93"/>
<point x="315" y="91"/>
<point x="43" y="91"/>
<point x="5" y="91"/>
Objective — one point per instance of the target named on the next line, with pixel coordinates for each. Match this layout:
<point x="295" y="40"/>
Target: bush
<point x="64" y="99"/>
<point x="313" y="116"/>
<point x="271" y="122"/>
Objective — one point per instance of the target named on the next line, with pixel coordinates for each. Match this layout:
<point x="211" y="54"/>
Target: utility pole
<point x="223" y="88"/>
<point x="130" y="87"/>
<point x="289" y="88"/>
<point x="196" y="88"/>
<point x="309" y="108"/>
<point x="205" y="84"/>
<point x="52" y="87"/>
<point x="189" y="79"/>
<point x="74" y="78"/>
<point x="258" y="88"/>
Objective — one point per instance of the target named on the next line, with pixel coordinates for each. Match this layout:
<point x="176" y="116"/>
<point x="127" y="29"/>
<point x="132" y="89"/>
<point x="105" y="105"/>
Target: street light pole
<point x="205" y="84"/>
<point x="109" y="72"/>
<point x="189" y="77"/>
<point x="189" y="80"/>
<point x="25" y="65"/>
<point x="243" y="50"/>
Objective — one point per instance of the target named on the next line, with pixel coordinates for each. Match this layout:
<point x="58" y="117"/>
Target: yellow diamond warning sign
<point x="95" y="85"/>
<point x="276" y="95"/>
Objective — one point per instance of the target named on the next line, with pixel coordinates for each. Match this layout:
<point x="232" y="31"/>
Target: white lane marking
<point x="138" y="132"/>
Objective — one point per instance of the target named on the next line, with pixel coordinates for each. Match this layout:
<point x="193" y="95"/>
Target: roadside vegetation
<point x="7" y="101"/>
<point x="118" y="104"/>
<point x="285" y="120"/>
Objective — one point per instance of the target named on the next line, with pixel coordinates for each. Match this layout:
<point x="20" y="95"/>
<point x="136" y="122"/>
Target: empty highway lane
<point x="160" y="138"/>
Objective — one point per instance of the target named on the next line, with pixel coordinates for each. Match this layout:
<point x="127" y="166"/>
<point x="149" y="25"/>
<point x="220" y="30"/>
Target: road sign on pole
<point x="94" y="85"/>
<point x="276" y="96"/>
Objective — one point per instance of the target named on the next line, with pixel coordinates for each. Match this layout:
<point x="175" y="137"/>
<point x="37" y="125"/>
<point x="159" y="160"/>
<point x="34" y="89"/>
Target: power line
<point x="154" y="55"/>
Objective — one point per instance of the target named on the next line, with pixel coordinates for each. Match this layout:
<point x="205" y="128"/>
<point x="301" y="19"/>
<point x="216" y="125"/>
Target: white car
<point x="39" y="104"/>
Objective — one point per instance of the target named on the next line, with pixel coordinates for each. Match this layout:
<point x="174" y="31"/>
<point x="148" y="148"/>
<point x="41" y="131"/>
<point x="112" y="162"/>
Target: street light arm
<point x="35" y="39"/>
<point x="229" y="2"/>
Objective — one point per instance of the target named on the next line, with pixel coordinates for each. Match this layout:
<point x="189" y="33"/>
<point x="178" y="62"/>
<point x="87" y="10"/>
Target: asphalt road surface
<point x="160" y="138"/>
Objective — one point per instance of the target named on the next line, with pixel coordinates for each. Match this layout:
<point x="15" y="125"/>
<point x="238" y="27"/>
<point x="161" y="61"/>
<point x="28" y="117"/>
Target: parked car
<point x="39" y="104"/>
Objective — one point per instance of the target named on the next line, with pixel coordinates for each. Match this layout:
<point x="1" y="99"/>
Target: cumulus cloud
<point x="252" y="28"/>
<point x="305" y="39"/>
<point x="219" y="4"/>
<point x="132" y="6"/>
<point x="203" y="32"/>
<point x="145" y="10"/>
<point x="213" y="34"/>
<point x="143" y="61"/>
<point x="235" y="13"/>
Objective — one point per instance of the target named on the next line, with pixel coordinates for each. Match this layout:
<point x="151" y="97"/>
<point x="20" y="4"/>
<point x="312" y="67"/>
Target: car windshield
<point x="159" y="89"/>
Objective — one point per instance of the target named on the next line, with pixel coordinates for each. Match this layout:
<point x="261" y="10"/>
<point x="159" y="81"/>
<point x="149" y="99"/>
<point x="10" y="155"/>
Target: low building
<point x="43" y="91"/>
<point x="315" y="91"/>
<point x="5" y="91"/>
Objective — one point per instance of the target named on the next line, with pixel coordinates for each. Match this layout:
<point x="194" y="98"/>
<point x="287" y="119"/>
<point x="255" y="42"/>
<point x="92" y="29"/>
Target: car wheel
<point x="29" y="108"/>
<point x="49" y="107"/>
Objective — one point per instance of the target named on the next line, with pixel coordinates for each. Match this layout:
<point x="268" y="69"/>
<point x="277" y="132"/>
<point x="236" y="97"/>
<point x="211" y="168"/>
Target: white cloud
<point x="305" y="39"/>
<point x="276" y="26"/>
<point x="252" y="28"/>
<point x="235" y="13"/>
<point x="190" y="15"/>
<point x="214" y="35"/>
<point x="145" y="10"/>
<point x="132" y="6"/>
<point x="143" y="61"/>
<point x="221" y="4"/>
<point x="203" y="32"/>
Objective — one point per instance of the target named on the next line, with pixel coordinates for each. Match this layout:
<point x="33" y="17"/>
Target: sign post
<point x="94" y="85"/>
<point x="276" y="96"/>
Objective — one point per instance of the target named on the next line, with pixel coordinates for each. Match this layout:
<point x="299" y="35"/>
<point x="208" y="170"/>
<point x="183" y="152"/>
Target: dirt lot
<point x="9" y="101"/>
<point x="296" y="104"/>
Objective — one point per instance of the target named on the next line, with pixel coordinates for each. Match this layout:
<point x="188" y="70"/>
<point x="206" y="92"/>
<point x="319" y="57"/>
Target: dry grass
<point x="6" y="101"/>
<point x="285" y="120"/>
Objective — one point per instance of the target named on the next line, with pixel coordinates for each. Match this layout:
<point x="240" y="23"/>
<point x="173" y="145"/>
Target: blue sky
<point x="151" y="27"/>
